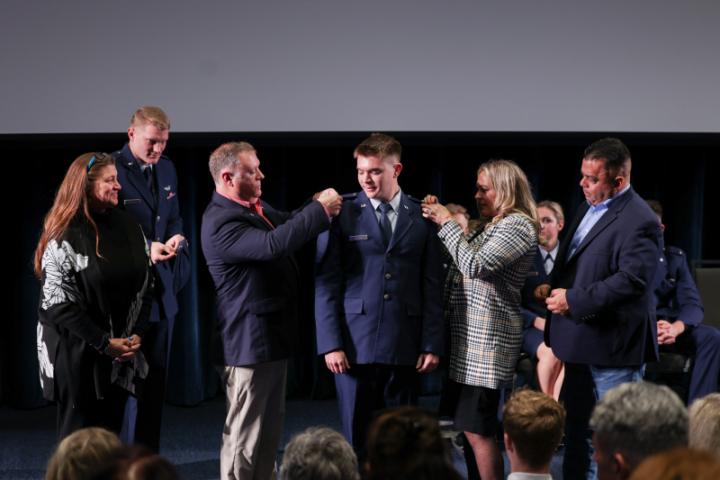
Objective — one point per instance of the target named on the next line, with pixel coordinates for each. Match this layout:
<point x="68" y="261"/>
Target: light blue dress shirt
<point x="592" y="216"/>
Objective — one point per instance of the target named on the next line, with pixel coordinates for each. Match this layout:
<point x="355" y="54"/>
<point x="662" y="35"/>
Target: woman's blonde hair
<point x="82" y="453"/>
<point x="513" y="194"/>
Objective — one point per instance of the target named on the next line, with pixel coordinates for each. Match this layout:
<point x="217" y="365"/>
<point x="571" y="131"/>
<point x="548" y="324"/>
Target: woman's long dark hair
<point x="72" y="201"/>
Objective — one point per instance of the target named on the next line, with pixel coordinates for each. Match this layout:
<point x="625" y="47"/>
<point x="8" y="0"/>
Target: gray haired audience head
<point x="319" y="453"/>
<point x="634" y="421"/>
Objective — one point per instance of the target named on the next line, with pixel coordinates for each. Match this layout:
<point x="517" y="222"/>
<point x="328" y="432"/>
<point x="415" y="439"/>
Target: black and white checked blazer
<point x="482" y="298"/>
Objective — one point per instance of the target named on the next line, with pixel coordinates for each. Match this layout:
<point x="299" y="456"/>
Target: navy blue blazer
<point x="676" y="294"/>
<point x="255" y="276"/>
<point x="378" y="304"/>
<point x="530" y="306"/>
<point x="609" y="282"/>
<point x="159" y="220"/>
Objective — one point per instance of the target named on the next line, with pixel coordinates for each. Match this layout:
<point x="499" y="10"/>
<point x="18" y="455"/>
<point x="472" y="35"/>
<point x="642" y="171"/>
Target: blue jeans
<point x="584" y="385"/>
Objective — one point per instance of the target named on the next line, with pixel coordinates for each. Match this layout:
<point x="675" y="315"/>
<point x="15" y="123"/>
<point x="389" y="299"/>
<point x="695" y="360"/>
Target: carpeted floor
<point x="191" y="437"/>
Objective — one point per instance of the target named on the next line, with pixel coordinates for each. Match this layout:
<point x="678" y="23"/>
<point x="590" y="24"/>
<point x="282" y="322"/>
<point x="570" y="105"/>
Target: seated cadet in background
<point x="679" y="316"/>
<point x="460" y="215"/>
<point x="550" y="370"/>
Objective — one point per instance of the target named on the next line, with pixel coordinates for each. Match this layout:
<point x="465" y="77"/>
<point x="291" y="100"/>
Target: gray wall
<point x="337" y="65"/>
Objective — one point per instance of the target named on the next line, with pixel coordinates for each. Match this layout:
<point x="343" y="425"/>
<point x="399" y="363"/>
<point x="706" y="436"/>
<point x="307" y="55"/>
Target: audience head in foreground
<point x="680" y="463"/>
<point x="136" y="462"/>
<point x="632" y="422"/>
<point x="704" y="431"/>
<point x="534" y="424"/>
<point x="82" y="453"/>
<point x="405" y="443"/>
<point x="319" y="453"/>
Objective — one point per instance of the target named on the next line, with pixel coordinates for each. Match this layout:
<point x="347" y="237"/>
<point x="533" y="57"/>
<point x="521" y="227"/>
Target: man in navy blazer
<point x="602" y="322"/>
<point x="249" y="246"/>
<point x="149" y="194"/>
<point x="378" y="293"/>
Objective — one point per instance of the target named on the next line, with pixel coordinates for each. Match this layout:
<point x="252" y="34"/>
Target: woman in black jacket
<point x="95" y="299"/>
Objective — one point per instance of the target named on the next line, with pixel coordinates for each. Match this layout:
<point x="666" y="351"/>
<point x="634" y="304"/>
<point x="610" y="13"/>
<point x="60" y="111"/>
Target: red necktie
<point x="257" y="208"/>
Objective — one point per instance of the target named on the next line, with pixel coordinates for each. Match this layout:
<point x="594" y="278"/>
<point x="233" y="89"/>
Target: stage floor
<point x="191" y="437"/>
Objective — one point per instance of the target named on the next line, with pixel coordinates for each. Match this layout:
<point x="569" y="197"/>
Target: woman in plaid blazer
<point x="482" y="294"/>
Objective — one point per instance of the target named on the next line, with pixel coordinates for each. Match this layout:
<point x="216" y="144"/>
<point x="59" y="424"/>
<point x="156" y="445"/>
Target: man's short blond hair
<point x="149" y="114"/>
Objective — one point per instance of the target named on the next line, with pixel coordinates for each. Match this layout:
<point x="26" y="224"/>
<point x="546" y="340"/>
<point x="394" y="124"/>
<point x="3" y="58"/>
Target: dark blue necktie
<point x="384" y="209"/>
<point x="149" y="178"/>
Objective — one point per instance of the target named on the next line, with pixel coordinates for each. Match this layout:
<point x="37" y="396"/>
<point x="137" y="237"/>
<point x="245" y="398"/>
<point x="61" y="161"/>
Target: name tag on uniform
<point x="131" y="201"/>
<point x="356" y="238"/>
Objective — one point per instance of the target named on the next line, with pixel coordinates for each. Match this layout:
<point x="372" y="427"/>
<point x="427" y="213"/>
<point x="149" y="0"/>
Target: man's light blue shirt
<point x="592" y="216"/>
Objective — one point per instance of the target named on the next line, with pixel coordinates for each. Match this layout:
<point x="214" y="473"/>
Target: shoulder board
<point x="670" y="250"/>
<point x="349" y="196"/>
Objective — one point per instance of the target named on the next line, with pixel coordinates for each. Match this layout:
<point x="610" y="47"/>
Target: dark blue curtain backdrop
<point x="678" y="169"/>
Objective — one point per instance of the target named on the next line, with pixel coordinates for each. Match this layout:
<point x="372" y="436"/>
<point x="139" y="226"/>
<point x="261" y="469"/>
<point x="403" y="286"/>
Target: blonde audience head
<point x="680" y="463"/>
<point x="705" y="424"/>
<point x="82" y="453"/>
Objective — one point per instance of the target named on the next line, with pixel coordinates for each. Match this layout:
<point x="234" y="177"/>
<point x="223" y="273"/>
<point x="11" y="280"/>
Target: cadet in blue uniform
<point x="378" y="293"/>
<point x="149" y="195"/>
<point x="680" y="313"/>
